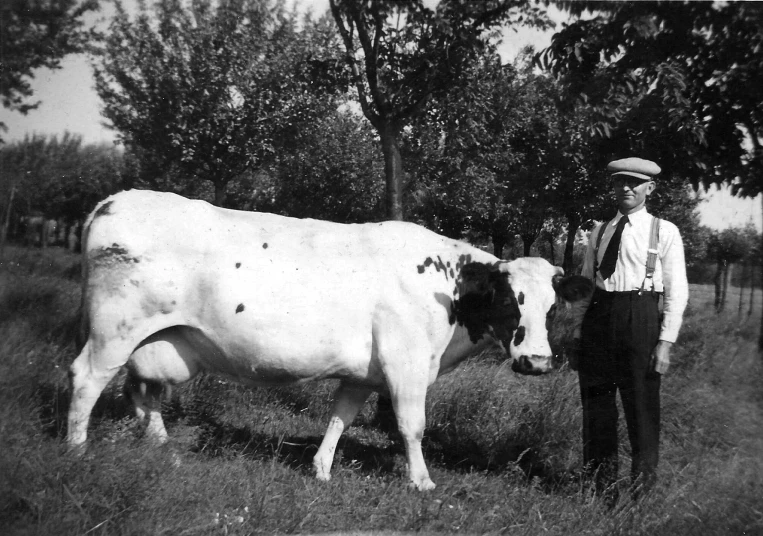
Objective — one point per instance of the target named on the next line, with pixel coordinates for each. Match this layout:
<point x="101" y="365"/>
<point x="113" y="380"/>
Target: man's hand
<point x="572" y="352"/>
<point x="660" y="360"/>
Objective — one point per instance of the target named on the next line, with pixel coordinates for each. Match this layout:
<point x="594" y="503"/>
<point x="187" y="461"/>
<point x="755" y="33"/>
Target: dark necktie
<point x="609" y="260"/>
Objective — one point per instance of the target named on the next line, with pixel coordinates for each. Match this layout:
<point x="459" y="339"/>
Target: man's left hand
<point x="660" y="361"/>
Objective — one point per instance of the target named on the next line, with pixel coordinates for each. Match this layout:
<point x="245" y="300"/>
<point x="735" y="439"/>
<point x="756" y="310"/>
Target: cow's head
<point x="514" y="302"/>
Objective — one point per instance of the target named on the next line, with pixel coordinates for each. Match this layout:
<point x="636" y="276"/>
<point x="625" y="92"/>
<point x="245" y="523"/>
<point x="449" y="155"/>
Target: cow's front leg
<point x="348" y="399"/>
<point x="408" y="400"/>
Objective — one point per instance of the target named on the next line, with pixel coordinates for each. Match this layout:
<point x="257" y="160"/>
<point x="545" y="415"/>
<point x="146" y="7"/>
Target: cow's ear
<point x="572" y="288"/>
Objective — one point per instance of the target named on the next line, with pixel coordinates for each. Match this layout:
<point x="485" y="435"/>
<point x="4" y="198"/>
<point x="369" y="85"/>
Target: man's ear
<point x="652" y="186"/>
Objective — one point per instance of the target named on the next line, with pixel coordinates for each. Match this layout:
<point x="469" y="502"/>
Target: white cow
<point x="173" y="286"/>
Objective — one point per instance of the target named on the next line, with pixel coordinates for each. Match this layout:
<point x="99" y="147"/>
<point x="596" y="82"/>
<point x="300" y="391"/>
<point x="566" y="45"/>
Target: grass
<point x="503" y="449"/>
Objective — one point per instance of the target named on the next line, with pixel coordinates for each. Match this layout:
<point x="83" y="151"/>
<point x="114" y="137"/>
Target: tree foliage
<point x="700" y="61"/>
<point x="401" y="54"/>
<point x="333" y="172"/>
<point x="58" y="177"/>
<point x="36" y="34"/>
<point x="209" y="90"/>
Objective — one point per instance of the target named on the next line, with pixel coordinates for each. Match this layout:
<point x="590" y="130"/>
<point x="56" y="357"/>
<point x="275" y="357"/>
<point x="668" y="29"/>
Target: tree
<point x="702" y="60"/>
<point x="333" y="173"/>
<point x="497" y="156"/>
<point x="725" y="248"/>
<point x="401" y="54"/>
<point x="207" y="90"/>
<point x="58" y="177"/>
<point x="36" y="34"/>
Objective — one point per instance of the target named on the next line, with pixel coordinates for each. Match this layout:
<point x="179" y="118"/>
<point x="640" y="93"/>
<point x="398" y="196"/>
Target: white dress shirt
<point x="630" y="270"/>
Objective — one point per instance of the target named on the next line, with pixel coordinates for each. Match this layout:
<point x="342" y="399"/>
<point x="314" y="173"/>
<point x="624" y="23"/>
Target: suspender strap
<point x="596" y="252"/>
<point x="652" y="252"/>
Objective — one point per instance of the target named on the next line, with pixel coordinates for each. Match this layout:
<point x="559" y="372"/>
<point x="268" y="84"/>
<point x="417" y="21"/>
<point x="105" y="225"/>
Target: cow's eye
<point x="550" y="317"/>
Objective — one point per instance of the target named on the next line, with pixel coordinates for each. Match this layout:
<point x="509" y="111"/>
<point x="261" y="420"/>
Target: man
<point x="624" y="343"/>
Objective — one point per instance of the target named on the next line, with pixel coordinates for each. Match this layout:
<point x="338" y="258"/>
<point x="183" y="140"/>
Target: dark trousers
<point x="619" y="332"/>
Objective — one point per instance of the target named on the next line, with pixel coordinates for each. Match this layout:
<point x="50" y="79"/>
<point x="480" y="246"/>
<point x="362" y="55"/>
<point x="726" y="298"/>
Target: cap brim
<point x="634" y="174"/>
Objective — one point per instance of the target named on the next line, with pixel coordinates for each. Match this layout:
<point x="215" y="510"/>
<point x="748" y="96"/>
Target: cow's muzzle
<point x="533" y="366"/>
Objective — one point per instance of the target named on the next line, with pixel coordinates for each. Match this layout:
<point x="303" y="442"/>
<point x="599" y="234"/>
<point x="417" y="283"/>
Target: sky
<point x="70" y="103"/>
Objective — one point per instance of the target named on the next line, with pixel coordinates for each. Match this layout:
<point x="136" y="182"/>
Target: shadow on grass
<point x="296" y="452"/>
<point x="513" y="454"/>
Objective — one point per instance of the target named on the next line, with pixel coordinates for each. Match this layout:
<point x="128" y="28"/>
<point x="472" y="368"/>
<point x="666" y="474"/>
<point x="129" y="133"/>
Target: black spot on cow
<point x="265" y="245"/>
<point x="104" y="209"/>
<point x="521" y="298"/>
<point x="441" y="266"/>
<point x="238" y="265"/>
<point x="519" y="335"/>
<point x="239" y="308"/>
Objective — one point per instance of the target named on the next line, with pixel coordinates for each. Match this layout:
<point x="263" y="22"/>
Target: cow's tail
<point x="84" y="318"/>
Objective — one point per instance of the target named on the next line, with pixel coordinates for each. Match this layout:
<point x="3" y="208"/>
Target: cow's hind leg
<point x="88" y="376"/>
<point x="146" y="396"/>
<point x="348" y="399"/>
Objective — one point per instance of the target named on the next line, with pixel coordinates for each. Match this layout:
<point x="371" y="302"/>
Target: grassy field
<point x="504" y="450"/>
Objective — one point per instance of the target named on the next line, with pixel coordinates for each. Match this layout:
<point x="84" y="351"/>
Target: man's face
<point x="631" y="192"/>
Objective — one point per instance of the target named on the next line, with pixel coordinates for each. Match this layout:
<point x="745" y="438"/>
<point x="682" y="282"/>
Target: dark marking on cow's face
<point x="487" y="304"/>
<point x="239" y="308"/>
<point x="134" y="283"/>
<point x="265" y="245"/>
<point x="104" y="210"/>
<point x="238" y="265"/>
<point x="519" y="335"/>
<point x="521" y="298"/>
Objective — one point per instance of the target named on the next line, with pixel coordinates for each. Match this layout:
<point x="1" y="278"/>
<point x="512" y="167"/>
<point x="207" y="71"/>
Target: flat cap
<point x="635" y="167"/>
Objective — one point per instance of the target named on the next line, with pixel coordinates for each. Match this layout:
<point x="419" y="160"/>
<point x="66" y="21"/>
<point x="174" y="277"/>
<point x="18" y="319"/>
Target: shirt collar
<point x="639" y="215"/>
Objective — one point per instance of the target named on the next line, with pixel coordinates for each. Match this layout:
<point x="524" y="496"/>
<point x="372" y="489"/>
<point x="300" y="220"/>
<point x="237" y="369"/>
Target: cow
<point x="172" y="287"/>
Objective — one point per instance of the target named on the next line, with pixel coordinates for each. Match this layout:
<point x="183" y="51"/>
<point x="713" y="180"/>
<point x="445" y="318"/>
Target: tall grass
<point x="503" y="449"/>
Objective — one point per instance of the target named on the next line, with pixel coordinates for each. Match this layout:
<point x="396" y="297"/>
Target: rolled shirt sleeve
<point x="675" y="284"/>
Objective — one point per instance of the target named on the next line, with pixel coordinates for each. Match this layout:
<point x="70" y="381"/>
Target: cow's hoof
<point x="424" y="485"/>
<point x="321" y="474"/>
<point x="76" y="450"/>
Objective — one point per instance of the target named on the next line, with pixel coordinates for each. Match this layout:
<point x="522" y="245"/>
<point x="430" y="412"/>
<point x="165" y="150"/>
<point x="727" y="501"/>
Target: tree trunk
<point x="498" y="244"/>
<point x="726" y="273"/>
<point x="760" y="333"/>
<point x="741" y="287"/>
<point x="393" y="170"/>
<point x="220" y="192"/>
<point x="551" y="247"/>
<point x="6" y="223"/>
<point x="718" y="281"/>
<point x="527" y="243"/>
<point x="752" y="289"/>
<point x="569" y="247"/>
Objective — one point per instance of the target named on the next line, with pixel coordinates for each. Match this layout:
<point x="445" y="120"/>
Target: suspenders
<point x="651" y="256"/>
